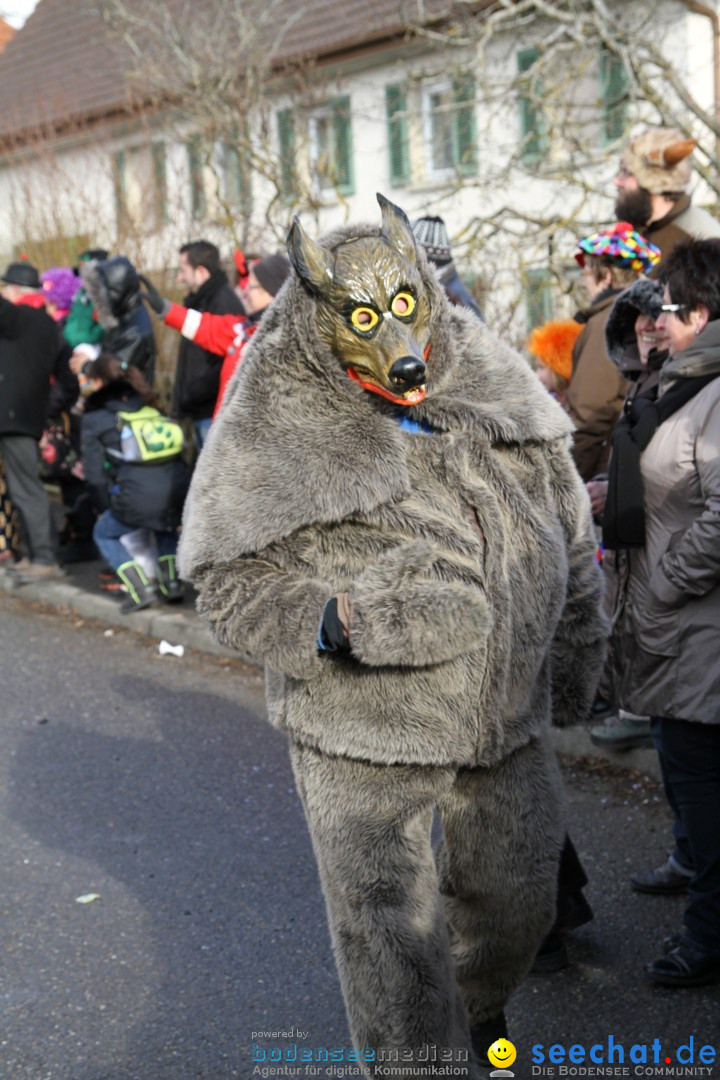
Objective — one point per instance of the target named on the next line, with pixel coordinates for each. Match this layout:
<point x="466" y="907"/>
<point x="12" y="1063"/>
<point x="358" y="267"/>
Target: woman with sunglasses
<point x="663" y="508"/>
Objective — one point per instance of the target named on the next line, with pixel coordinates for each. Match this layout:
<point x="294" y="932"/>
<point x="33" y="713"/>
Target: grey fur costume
<point x="469" y="557"/>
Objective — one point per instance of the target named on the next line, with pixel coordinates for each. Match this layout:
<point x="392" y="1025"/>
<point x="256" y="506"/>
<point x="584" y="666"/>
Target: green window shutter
<point x="342" y="146"/>
<point x="532" y="121"/>
<point x="464" y="133"/>
<point x="197" y="181"/>
<point x="614" y="86"/>
<point x="157" y="149"/>
<point x="286" y="142"/>
<point x="397" y="127"/>
<point x="538" y="297"/>
<point x="119" y="185"/>
<point x="237" y="178"/>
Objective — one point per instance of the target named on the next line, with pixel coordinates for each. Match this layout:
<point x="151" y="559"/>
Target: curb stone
<point x="186" y="627"/>
<point x="179" y="628"/>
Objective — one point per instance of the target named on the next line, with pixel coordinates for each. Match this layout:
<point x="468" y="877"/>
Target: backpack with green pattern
<point x="148" y="437"/>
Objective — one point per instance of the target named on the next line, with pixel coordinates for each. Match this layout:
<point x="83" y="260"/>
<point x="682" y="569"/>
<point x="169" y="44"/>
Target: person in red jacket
<point x="225" y="335"/>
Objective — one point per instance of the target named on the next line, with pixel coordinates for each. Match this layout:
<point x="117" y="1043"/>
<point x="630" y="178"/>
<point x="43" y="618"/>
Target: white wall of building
<point x="72" y="187"/>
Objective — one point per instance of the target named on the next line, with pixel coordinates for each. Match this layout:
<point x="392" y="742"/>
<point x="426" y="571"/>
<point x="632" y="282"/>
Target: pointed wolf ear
<point x="396" y="228"/>
<point x="314" y="264"/>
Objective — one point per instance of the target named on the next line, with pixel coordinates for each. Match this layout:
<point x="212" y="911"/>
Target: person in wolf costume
<point x="386" y="515"/>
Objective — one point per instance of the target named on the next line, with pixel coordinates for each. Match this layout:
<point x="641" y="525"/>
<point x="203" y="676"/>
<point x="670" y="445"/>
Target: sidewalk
<point x="79" y="592"/>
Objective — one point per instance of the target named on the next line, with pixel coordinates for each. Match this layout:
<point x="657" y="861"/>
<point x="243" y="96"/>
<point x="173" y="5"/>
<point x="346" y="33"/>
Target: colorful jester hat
<point x="620" y="246"/>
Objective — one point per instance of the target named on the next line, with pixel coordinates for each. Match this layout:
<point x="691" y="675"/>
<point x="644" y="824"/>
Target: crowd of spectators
<point x="636" y="369"/>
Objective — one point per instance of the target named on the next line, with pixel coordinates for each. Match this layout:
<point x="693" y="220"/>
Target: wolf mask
<point x="372" y="309"/>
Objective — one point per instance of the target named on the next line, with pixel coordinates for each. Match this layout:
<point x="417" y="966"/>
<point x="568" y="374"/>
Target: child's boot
<point x="171" y="588"/>
<point x="141" y="592"/>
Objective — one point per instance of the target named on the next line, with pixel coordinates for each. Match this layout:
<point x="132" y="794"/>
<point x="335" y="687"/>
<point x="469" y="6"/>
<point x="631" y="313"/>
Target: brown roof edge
<point x="87" y="121"/>
<point x="361" y="43"/>
<point x="356" y="45"/>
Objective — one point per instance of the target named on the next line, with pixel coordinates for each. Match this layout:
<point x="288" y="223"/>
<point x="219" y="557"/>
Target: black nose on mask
<point x="407" y="372"/>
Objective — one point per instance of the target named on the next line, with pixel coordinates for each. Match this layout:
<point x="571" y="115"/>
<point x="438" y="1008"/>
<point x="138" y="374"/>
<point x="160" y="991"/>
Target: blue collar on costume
<point x="413" y="426"/>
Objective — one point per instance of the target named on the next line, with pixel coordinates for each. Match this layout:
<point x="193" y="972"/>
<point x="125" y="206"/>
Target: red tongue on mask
<point x="413" y="398"/>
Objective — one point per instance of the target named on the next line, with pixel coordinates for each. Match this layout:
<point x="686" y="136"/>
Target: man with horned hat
<point x="652" y="182"/>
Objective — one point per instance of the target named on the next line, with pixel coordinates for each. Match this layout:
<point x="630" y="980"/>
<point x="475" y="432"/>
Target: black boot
<point x="484" y="1034"/>
<point x="140" y="592"/>
<point x="171" y="588"/>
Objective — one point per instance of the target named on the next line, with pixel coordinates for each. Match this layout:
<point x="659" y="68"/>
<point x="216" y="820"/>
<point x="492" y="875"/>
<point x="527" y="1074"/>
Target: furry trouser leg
<point x="370" y="826"/>
<point x="498" y="867"/>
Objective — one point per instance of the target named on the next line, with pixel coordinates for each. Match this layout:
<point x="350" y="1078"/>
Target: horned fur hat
<point x="660" y="159"/>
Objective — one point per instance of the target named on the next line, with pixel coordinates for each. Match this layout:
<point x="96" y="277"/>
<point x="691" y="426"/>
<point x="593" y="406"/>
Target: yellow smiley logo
<point x="502" y="1053"/>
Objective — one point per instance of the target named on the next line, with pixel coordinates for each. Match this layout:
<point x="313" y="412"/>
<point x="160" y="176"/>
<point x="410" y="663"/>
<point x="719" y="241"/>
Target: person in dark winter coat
<point x="225" y="335"/>
<point x="387" y="516"/>
<point x="197" y="376"/>
<point x="610" y="260"/>
<point x="638" y="349"/>
<point x="28" y="359"/>
<point x="662" y="508"/>
<point x="60" y="287"/>
<point x="114" y="288"/>
<point x="128" y="494"/>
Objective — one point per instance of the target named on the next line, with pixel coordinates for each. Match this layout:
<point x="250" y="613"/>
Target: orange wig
<point x="552" y="344"/>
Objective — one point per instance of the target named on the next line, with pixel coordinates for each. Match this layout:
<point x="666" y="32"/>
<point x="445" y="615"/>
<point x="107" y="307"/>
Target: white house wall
<point x="80" y="193"/>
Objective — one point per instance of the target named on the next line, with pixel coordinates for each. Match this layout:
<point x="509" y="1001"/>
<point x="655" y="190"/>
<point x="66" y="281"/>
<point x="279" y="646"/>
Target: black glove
<point x="152" y="297"/>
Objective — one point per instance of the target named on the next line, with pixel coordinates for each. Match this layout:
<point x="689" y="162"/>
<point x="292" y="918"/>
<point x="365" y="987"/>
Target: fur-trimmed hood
<point x="293" y="418"/>
<point x="643" y="297"/>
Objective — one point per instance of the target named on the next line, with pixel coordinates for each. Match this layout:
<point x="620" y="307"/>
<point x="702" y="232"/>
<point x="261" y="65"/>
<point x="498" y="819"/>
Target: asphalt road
<point x="156" y="784"/>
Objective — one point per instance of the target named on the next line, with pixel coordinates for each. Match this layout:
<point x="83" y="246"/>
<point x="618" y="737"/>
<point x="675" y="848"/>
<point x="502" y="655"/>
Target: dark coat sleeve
<point x="8" y="318"/>
<point x="197" y="377"/>
<point x="98" y="432"/>
<point x="132" y="342"/>
<point x="65" y="388"/>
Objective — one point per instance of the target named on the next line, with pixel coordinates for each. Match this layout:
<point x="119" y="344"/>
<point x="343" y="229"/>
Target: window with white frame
<point x="449" y="127"/>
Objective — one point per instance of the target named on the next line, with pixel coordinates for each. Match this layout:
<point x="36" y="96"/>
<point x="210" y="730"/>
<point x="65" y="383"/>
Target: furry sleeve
<point x="270" y="614"/>
<point x="402" y="616"/>
<point x="578" y="650"/>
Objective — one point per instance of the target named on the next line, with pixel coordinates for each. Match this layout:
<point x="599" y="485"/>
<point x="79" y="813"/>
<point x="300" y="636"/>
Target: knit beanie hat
<point x="620" y="246"/>
<point x="659" y="159"/>
<point x="431" y="234"/>
<point x="271" y="272"/>
<point x="59" y="285"/>
<point x="552" y="344"/>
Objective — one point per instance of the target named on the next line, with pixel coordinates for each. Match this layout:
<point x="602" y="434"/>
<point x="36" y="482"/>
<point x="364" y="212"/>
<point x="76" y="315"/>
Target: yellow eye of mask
<point x="364" y="319"/>
<point x="403" y="304"/>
